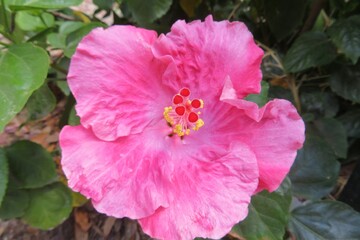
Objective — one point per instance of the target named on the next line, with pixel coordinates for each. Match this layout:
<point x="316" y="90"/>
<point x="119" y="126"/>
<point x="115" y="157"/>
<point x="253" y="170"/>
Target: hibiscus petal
<point x="274" y="133"/>
<point x="275" y="140"/>
<point x="116" y="81"/>
<point x="126" y="177"/>
<point x="206" y="52"/>
<point x="212" y="194"/>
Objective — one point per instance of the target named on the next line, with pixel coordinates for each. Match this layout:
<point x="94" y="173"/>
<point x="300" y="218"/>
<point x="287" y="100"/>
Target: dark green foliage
<point x="309" y="50"/>
<point x="315" y="170"/>
<point x="32" y="190"/>
<point x="4" y="174"/>
<point x="30" y="164"/>
<point x="284" y="16"/>
<point x="263" y="221"/>
<point x="345" y="81"/>
<point x="325" y="220"/>
<point x="346" y="36"/>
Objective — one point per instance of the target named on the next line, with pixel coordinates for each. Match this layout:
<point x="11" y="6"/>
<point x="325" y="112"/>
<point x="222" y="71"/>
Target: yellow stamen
<point x="167" y="110"/>
<point x="199" y="123"/>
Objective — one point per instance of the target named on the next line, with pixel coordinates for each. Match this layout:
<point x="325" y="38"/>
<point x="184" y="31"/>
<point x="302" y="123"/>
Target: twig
<point x="236" y="7"/>
<point x="4" y="44"/>
<point x="56" y="79"/>
<point x="314" y="12"/>
<point x="272" y="53"/>
<point x="317" y="77"/>
<point x="6" y="23"/>
<point x="63" y="16"/>
<point x="7" y="35"/>
<point x="295" y="91"/>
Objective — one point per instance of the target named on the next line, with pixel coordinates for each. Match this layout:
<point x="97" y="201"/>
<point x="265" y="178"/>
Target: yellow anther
<point x="199" y="123"/>
<point x="201" y="103"/>
<point x="167" y="117"/>
<point x="178" y="130"/>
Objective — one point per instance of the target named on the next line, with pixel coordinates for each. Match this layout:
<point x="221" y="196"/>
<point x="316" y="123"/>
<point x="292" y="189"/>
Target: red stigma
<point x="196" y="103"/>
<point x="193" y="117"/>
<point x="178" y="99"/>
<point x="180" y="110"/>
<point x="185" y="92"/>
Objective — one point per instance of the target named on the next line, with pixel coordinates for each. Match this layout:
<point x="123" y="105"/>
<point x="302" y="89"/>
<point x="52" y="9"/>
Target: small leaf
<point x="78" y="199"/>
<point x="4" y="174"/>
<point x="346" y="36"/>
<point x="58" y="40"/>
<point x="351" y="122"/>
<point x="31" y="164"/>
<point x="334" y="133"/>
<point x="189" y="6"/>
<point x="148" y="11"/>
<point x="14" y="204"/>
<point x="315" y="170"/>
<point x="23" y="69"/>
<point x="42" y="4"/>
<point x="325" y="220"/>
<point x="311" y="49"/>
<point x="268" y="215"/>
<point x="345" y="82"/>
<point x="41" y="103"/>
<point x="34" y="21"/>
<point x="261" y="98"/>
<point x="73" y="39"/>
<point x="49" y="206"/>
<point x="74" y="119"/>
<point x="284" y="16"/>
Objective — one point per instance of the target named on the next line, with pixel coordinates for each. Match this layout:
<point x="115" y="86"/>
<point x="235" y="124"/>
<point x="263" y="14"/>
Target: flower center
<point x="184" y="113"/>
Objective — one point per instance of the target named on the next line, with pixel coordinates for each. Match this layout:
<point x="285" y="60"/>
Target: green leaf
<point x="74" y="119"/>
<point x="311" y="49"/>
<point x="261" y="98"/>
<point x="31" y="164"/>
<point x="58" y="40"/>
<point x="334" y="133"/>
<point x="4" y="174"/>
<point x="41" y="103"/>
<point x="34" y="21"/>
<point x="75" y="37"/>
<point x="104" y="4"/>
<point x="284" y="16"/>
<point x="351" y="122"/>
<point x="345" y="82"/>
<point x="148" y="11"/>
<point x="42" y="4"/>
<point x="49" y="206"/>
<point x="14" y="204"/>
<point x="268" y="215"/>
<point x="78" y="199"/>
<point x="325" y="220"/>
<point x="315" y="170"/>
<point x="346" y="36"/>
<point x="23" y="69"/>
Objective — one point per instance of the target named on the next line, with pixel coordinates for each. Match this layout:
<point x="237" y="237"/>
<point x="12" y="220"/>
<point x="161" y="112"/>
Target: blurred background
<point x="311" y="57"/>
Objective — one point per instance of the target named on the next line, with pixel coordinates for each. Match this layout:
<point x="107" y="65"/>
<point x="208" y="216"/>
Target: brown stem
<point x="295" y="92"/>
<point x="314" y="12"/>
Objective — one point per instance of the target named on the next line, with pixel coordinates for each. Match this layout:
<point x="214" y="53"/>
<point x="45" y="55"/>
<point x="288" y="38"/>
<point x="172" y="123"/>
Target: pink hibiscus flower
<point x="166" y="136"/>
